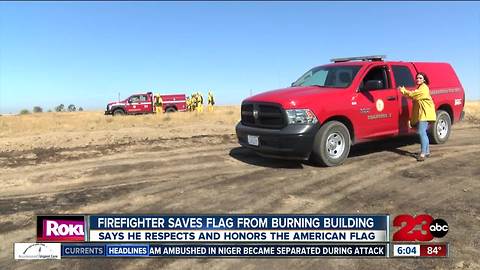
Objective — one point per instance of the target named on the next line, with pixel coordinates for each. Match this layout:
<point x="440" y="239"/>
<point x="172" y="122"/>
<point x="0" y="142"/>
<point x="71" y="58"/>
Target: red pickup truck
<point x="349" y="101"/>
<point x="144" y="103"/>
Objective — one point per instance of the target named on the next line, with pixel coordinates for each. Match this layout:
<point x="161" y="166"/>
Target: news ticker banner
<point x="226" y="250"/>
<point x="91" y="250"/>
<point x="236" y="235"/>
<point x="239" y="228"/>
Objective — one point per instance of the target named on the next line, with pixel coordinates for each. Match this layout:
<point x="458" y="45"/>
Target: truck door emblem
<point x="380" y="105"/>
<point x="364" y="110"/>
<point x="255" y="114"/>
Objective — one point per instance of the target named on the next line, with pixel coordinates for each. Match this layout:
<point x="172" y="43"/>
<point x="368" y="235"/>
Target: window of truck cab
<point x="403" y="76"/>
<point x="328" y="76"/>
<point x="376" y="73"/>
<point x="134" y="99"/>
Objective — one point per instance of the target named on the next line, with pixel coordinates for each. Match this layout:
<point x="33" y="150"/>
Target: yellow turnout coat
<point x="423" y="108"/>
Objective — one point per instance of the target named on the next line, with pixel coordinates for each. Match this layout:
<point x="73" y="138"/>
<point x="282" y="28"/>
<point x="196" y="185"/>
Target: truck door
<point x="377" y="103"/>
<point x="403" y="76"/>
<point x="145" y="104"/>
<point x="133" y="104"/>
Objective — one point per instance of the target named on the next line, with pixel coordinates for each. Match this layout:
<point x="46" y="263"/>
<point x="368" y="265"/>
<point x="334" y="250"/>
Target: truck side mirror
<point x="373" y="85"/>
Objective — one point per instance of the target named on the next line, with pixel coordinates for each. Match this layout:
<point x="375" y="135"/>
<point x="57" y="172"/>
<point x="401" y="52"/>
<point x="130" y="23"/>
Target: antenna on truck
<point x="360" y="58"/>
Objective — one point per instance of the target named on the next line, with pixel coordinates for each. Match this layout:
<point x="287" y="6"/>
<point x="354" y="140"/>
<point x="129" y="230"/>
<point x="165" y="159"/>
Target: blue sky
<point x="85" y="53"/>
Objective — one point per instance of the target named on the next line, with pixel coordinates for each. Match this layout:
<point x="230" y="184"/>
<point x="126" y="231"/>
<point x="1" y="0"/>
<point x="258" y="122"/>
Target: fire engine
<point x="349" y="101"/>
<point x="145" y="103"/>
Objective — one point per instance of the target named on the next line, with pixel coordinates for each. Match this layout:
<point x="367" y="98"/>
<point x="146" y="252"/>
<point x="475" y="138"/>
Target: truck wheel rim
<point x="442" y="128"/>
<point x="335" y="145"/>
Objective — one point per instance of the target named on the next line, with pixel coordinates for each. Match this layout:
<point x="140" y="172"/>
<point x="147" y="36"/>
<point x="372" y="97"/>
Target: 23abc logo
<point x="429" y="228"/>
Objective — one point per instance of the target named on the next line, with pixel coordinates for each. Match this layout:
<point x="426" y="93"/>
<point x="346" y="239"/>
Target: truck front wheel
<point x="331" y="145"/>
<point x="441" y="128"/>
<point x="118" y="112"/>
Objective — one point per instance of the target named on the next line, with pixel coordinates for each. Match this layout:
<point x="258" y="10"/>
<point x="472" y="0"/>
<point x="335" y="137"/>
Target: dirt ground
<point x="198" y="167"/>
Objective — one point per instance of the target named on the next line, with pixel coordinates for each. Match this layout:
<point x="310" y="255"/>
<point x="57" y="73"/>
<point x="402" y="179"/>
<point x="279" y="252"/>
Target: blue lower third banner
<point x="224" y="250"/>
<point x="238" y="228"/>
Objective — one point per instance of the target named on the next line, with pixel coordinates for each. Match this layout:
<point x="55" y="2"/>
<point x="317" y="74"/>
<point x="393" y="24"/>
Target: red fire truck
<point x="351" y="100"/>
<point x="145" y="103"/>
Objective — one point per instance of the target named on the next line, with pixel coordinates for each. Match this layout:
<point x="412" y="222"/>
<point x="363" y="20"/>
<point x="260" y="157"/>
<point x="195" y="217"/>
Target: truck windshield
<point x="328" y="76"/>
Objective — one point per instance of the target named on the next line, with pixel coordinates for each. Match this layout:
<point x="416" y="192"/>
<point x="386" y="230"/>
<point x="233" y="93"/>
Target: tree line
<point x="59" y="108"/>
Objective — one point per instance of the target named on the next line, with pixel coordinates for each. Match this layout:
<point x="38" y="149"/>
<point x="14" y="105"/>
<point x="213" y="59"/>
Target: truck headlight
<point x="301" y="116"/>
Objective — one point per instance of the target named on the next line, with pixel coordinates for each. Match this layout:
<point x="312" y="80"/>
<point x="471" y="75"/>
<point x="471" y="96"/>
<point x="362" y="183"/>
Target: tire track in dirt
<point x="21" y="203"/>
<point x="13" y="159"/>
<point x="84" y="166"/>
<point x="141" y="188"/>
<point x="382" y="174"/>
<point x="132" y="164"/>
<point x="28" y="202"/>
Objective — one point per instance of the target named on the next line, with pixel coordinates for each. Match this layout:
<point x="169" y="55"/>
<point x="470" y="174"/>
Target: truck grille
<point x="267" y="116"/>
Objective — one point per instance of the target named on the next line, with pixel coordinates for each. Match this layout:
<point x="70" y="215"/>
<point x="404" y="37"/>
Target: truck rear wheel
<point x="440" y="131"/>
<point x="331" y="145"/>
<point x="170" y="109"/>
<point x="118" y="112"/>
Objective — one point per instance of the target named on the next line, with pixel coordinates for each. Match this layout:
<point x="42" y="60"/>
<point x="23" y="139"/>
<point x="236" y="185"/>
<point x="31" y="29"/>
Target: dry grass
<point x="40" y="123"/>
<point x="472" y="111"/>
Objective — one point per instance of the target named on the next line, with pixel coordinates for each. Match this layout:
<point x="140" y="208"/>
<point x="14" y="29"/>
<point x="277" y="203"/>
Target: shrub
<point x="60" y="108"/>
<point x="71" y="108"/>
<point x="24" y="111"/>
<point x="37" y="109"/>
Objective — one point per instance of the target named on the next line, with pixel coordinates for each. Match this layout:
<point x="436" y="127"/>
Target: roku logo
<point x="68" y="228"/>
<point x="60" y="228"/>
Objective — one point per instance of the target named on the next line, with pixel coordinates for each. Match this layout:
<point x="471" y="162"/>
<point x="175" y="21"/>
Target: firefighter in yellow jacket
<point x="211" y="101"/>
<point x="193" y="102"/>
<point x="158" y="104"/>
<point x="199" y="102"/>
<point x="423" y="111"/>
<point x="187" y="103"/>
